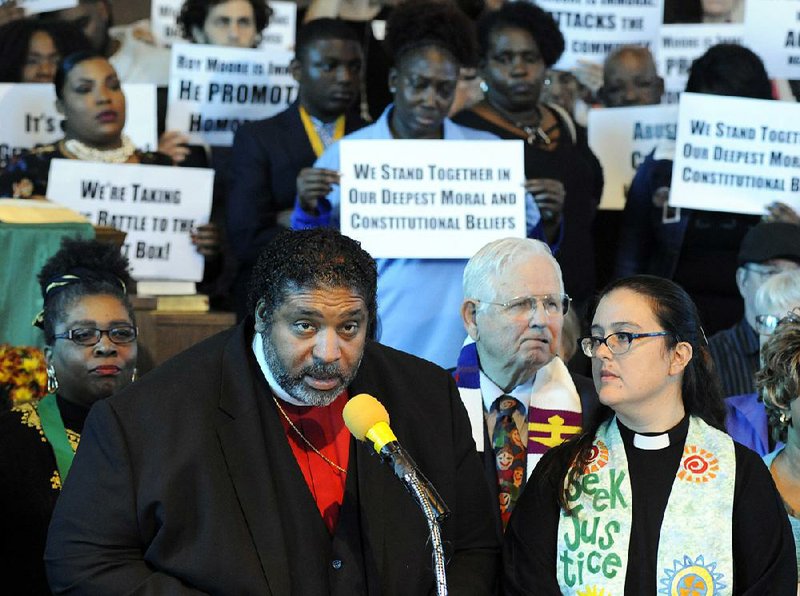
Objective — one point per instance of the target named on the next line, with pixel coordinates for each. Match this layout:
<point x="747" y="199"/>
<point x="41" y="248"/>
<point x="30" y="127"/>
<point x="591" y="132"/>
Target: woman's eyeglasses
<point x="766" y="324"/>
<point x="617" y="343"/>
<point x="89" y="336"/>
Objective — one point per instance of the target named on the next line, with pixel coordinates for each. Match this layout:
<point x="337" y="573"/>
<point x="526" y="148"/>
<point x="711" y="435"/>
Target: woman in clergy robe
<point x="654" y="497"/>
<point x="90" y="347"/>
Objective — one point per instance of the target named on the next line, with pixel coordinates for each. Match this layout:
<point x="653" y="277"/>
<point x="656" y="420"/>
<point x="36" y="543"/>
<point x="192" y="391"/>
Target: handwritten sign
<point x="594" y="28"/>
<point x="37" y="6"/>
<point x="735" y="154"/>
<point x="30" y="117"/>
<point x="278" y="34"/>
<point x="679" y="45"/>
<point x="157" y="206"/>
<point x="772" y="30"/>
<point x="213" y="90"/>
<point x="422" y="199"/>
<point x="621" y="138"/>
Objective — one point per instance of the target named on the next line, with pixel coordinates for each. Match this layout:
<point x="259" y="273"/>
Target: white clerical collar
<point x="651" y="442"/>
<point x="258" y="350"/>
<point x="490" y="392"/>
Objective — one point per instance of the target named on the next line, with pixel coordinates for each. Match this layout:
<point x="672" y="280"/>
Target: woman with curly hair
<point x="654" y="496"/>
<point x="418" y="299"/>
<point x="517" y="43"/>
<point x="234" y="23"/>
<point x="31" y="49"/>
<point x="90" y="347"/>
<point x="778" y="383"/>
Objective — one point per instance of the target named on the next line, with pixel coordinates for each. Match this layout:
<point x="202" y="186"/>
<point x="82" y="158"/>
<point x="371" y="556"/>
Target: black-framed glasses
<point x="89" y="336"/>
<point x="552" y="304"/>
<point x="617" y="343"/>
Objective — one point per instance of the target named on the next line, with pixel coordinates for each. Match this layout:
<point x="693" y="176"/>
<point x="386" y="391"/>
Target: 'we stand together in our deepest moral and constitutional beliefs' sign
<point x="30" y="117"/>
<point x="431" y="199"/>
<point x="621" y="138"/>
<point x="735" y="154"/>
<point x="213" y="89"/>
<point x="157" y="206"/>
<point x="594" y="28"/>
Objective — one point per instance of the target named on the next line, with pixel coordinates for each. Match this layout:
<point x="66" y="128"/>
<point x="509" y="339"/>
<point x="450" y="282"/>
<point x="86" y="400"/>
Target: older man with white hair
<point x="519" y="395"/>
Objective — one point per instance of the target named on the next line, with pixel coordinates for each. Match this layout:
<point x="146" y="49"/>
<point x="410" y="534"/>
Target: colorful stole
<point x="56" y="434"/>
<point x="316" y="141"/>
<point x="695" y="551"/>
<point x="554" y="407"/>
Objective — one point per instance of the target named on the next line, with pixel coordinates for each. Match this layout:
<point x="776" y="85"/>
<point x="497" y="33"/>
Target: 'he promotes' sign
<point x="157" y="206"/>
<point x="213" y="89"/>
<point x="426" y="199"/>
<point x="735" y="154"/>
<point x="594" y="28"/>
<point x="621" y="138"/>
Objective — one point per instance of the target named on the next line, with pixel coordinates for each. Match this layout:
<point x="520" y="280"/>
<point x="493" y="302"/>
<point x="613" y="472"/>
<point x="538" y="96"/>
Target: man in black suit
<point x="519" y="395"/>
<point x="269" y="154"/>
<point x="229" y="470"/>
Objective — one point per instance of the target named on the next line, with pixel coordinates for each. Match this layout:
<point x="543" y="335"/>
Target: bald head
<point x="630" y="78"/>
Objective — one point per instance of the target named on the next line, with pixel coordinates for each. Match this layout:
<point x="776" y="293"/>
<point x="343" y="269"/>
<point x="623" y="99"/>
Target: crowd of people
<point x="605" y="405"/>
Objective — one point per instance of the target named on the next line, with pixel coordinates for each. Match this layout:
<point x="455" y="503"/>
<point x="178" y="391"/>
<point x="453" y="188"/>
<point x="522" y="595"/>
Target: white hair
<point x="488" y="263"/>
<point x="779" y="294"/>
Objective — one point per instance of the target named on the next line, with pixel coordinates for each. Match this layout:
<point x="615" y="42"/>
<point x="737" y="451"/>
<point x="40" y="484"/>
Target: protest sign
<point x="679" y="45"/>
<point x="594" y="28"/>
<point x="621" y="138"/>
<point x="772" y="30"/>
<point x="157" y="206"/>
<point x="37" y="6"/>
<point x="30" y="117"/>
<point x="213" y="90"/>
<point x="735" y="154"/>
<point x="423" y="199"/>
<point x="278" y="34"/>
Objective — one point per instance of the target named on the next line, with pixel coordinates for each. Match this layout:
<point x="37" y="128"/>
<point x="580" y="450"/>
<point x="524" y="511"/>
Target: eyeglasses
<point x="764" y="270"/>
<point x="90" y="336"/>
<point x="766" y="324"/>
<point x="552" y="304"/>
<point x="617" y="343"/>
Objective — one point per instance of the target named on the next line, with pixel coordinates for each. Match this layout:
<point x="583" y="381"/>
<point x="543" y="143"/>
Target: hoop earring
<point x="52" y="381"/>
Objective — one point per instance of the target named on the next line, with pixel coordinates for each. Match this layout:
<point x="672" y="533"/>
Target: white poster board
<point x="157" y="206"/>
<point x="279" y="34"/>
<point x="423" y="199"/>
<point x="36" y="6"/>
<point x="735" y="154"/>
<point x="621" y="138"/>
<point x="679" y="45"/>
<point x="772" y="30"/>
<point x="213" y="90"/>
<point x="30" y="117"/>
<point x="592" y="29"/>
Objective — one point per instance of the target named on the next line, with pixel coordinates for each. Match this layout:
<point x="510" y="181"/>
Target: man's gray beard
<point x="296" y="387"/>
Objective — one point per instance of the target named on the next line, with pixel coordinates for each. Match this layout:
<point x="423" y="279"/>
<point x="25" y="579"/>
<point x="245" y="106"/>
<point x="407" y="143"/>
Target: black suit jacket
<point x="185" y="483"/>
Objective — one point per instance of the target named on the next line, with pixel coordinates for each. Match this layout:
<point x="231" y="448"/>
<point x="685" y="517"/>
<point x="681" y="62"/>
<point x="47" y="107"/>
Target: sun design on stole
<point x="697" y="465"/>
<point x="691" y="578"/>
<point x="598" y="458"/>
<point x="593" y="591"/>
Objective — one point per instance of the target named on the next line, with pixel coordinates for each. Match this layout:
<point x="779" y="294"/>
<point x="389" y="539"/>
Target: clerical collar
<point x="258" y="350"/>
<point x="655" y="441"/>
<point x="490" y="392"/>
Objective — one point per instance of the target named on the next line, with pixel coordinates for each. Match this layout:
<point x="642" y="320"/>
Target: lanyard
<point x="56" y="434"/>
<point x="313" y="136"/>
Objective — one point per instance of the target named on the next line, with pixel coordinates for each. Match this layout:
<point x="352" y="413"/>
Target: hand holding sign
<point x="174" y="143"/>
<point x="313" y="184"/>
<point x="549" y="195"/>
<point x="781" y="212"/>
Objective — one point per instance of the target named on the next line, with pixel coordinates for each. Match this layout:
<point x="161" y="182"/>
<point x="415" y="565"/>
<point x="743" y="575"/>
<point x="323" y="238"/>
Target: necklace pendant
<point x="543" y="135"/>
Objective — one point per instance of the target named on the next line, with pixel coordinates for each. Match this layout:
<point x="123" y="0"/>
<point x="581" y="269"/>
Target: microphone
<point x="366" y="418"/>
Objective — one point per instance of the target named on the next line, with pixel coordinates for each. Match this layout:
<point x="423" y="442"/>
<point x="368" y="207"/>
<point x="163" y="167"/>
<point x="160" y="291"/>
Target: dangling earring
<point x="785" y="419"/>
<point x="52" y="381"/>
<point x="484" y="86"/>
<point x="133" y="376"/>
<point x="392" y="90"/>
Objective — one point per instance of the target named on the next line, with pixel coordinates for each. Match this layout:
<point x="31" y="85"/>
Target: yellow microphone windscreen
<point x="361" y="413"/>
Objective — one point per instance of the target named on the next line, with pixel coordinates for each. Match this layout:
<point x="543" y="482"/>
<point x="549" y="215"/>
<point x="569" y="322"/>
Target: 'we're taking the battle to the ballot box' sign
<point x="157" y="206"/>
<point x="431" y="199"/>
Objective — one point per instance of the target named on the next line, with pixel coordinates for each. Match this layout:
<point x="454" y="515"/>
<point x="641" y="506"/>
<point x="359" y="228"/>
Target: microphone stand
<point x="428" y="499"/>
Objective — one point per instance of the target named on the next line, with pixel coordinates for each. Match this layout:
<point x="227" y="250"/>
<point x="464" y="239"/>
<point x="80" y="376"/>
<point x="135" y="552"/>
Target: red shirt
<point x="324" y="428"/>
